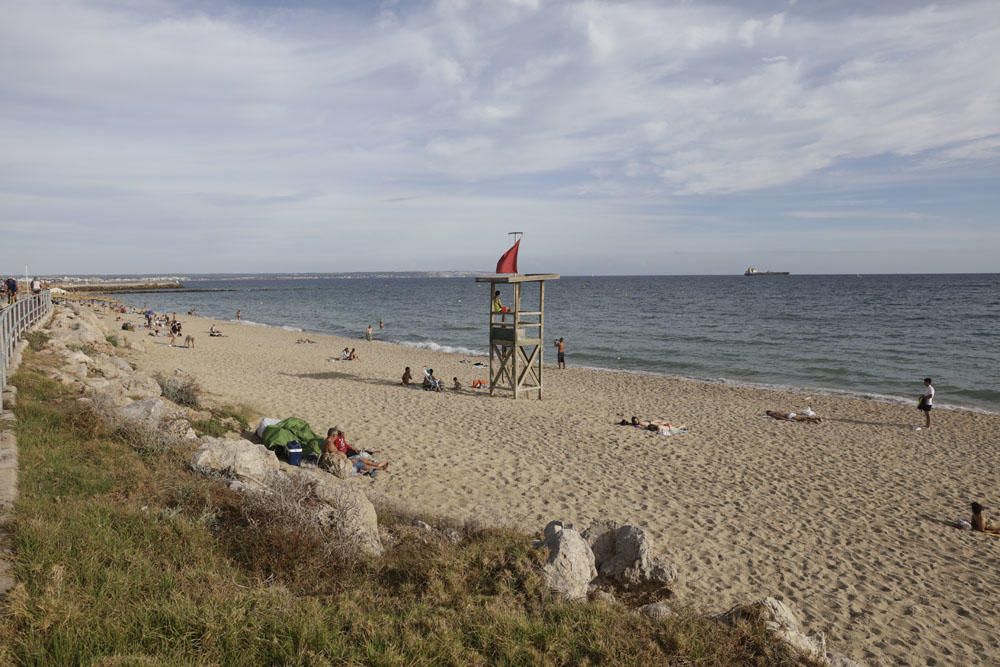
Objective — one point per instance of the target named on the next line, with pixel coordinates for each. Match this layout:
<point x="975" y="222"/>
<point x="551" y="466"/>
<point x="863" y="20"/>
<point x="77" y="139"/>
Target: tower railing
<point x="15" y="319"/>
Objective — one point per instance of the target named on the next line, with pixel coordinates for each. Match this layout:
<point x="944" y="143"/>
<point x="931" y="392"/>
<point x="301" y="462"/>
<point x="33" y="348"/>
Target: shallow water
<point x="876" y="335"/>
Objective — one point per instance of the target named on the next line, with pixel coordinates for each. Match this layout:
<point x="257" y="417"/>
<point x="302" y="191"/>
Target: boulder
<point x="569" y="568"/>
<point x="782" y="622"/>
<point x="254" y="465"/>
<point x="141" y="386"/>
<point x="658" y="611"/>
<point x="623" y="555"/>
<point x="343" y="507"/>
<point x="148" y="411"/>
<point x="178" y="429"/>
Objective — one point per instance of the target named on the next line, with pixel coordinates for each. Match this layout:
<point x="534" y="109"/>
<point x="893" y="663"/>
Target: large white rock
<point x="140" y="386"/>
<point x="254" y="465"/>
<point x="783" y="623"/>
<point x="148" y="411"/>
<point x="569" y="568"/>
<point x="624" y="555"/>
<point x="343" y="507"/>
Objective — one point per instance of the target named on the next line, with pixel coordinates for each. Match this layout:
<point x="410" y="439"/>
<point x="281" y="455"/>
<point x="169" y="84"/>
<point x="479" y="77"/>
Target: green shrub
<point x="37" y="340"/>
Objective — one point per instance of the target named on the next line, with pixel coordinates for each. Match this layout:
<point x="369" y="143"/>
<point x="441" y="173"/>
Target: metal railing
<point x="15" y="319"/>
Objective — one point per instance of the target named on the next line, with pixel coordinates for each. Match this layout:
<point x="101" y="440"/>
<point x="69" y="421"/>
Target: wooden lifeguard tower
<point x="517" y="336"/>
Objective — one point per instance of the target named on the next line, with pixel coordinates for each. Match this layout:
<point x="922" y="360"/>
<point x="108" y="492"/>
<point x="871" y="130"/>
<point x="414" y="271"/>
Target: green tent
<point x="293" y="429"/>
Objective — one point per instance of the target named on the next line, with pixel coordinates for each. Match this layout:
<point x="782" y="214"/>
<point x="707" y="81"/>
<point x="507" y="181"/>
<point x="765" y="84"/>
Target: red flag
<point x="508" y="260"/>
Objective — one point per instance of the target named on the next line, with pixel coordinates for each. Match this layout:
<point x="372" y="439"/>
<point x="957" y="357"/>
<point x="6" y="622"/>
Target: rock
<point x="569" y="568"/>
<point x="179" y="429"/>
<point x="601" y="595"/>
<point x="141" y="386"/>
<point x="780" y="620"/>
<point x="658" y="611"/>
<point x="339" y="467"/>
<point x="148" y="411"/>
<point x="422" y="525"/>
<point x="237" y="485"/>
<point x="624" y="555"/>
<point x="452" y="535"/>
<point x="344" y="508"/>
<point x="254" y="465"/>
<point x="106" y="394"/>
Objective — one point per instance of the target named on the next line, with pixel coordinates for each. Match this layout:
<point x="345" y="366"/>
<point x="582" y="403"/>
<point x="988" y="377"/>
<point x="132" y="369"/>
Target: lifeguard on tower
<point x="517" y="331"/>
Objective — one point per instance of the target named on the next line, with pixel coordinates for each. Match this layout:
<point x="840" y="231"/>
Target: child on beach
<point x="926" y="402"/>
<point x="407" y="377"/>
<point x="455" y="384"/>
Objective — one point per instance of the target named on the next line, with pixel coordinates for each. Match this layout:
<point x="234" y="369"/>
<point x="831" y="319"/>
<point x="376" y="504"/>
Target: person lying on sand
<point x="650" y="425"/>
<point x="981" y="523"/>
<point x="407" y="377"/>
<point x="792" y="417"/>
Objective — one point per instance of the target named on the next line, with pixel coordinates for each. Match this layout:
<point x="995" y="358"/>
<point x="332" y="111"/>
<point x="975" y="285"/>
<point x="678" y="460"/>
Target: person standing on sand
<point x="926" y="402"/>
<point x="560" y="353"/>
<point x="239" y="315"/>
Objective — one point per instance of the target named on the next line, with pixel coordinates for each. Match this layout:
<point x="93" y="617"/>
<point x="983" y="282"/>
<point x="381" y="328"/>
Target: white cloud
<point x="232" y="113"/>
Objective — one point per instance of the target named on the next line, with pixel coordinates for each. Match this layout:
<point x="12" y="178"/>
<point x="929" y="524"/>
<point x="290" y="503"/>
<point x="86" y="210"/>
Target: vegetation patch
<point x="126" y="558"/>
<point x="182" y="390"/>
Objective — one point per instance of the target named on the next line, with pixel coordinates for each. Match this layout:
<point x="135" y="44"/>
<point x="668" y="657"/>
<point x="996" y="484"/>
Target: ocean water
<point x="873" y="335"/>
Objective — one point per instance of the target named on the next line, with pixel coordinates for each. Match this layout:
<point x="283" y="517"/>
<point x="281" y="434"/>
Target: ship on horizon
<point x="754" y="271"/>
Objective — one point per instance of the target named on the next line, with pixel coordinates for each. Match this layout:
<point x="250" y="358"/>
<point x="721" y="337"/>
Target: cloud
<point x="184" y="115"/>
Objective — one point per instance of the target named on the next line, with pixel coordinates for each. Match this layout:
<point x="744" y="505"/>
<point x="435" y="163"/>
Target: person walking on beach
<point x="560" y="353"/>
<point x="368" y="333"/>
<point x="926" y="402"/>
<point x="239" y="315"/>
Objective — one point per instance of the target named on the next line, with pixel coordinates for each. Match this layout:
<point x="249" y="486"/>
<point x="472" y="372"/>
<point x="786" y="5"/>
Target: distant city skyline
<point x="623" y="138"/>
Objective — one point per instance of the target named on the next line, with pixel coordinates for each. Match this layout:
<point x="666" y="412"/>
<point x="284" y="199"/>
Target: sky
<point x="823" y="136"/>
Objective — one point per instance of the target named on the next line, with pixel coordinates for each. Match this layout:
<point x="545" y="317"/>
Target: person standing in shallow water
<point x="926" y="402"/>
<point x="560" y="353"/>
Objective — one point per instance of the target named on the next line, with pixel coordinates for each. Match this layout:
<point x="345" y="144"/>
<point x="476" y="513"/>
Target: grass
<point x="125" y="557"/>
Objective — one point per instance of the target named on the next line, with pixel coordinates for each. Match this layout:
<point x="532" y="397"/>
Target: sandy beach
<point x="847" y="519"/>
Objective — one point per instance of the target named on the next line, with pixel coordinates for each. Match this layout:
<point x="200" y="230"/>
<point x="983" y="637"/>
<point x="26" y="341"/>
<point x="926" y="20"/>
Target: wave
<point x="449" y="349"/>
<point x="251" y="323"/>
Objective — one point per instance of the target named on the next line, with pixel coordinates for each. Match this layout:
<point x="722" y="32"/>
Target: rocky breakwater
<point x="617" y="564"/>
<point x="131" y="405"/>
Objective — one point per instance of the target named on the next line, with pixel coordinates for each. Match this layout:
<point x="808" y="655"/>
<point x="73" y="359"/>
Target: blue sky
<point x="621" y="137"/>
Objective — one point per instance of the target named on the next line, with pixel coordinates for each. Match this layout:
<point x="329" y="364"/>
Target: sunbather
<point x="981" y="523"/>
<point x="793" y="417"/>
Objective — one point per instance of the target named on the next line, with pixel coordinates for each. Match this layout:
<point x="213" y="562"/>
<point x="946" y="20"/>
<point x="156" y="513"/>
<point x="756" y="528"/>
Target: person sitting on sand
<point x="214" y="331"/>
<point x="455" y="384"/>
<point x="336" y="445"/>
<point x="981" y="523"/>
<point x="431" y="383"/>
<point x="793" y="417"/>
<point x="480" y="383"/>
<point x="407" y="377"/>
<point x="345" y="355"/>
<point x="353" y="356"/>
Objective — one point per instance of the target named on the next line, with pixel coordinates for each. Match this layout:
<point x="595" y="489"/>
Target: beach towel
<point x="293" y="429"/>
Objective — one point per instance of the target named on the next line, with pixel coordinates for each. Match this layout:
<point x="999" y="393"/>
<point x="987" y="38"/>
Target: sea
<point x="874" y="336"/>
